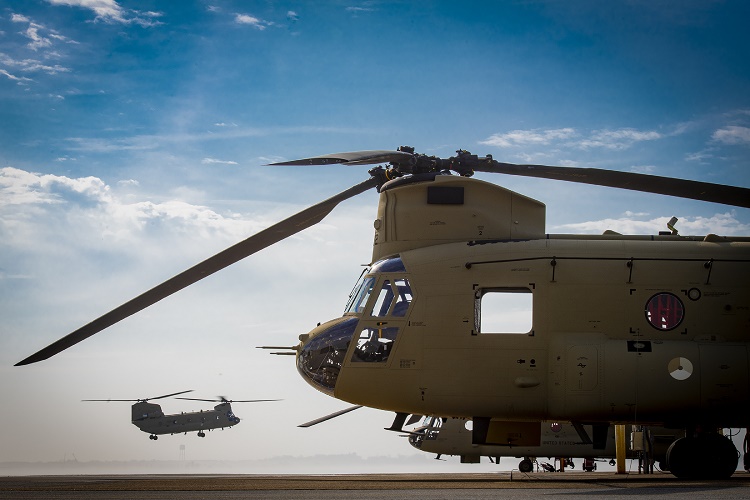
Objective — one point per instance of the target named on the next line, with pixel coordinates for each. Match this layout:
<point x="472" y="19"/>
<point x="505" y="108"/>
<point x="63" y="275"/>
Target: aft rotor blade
<point x="329" y="417"/>
<point x="371" y="157"/>
<point x="230" y="400"/>
<point x="696" y="190"/>
<point x="284" y="229"/>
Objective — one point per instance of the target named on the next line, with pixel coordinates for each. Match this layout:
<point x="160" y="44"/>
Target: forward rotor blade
<point x="284" y="229"/>
<point x="109" y="400"/>
<point x="329" y="417"/>
<point x="168" y="395"/>
<point x="371" y="157"/>
<point x="696" y="190"/>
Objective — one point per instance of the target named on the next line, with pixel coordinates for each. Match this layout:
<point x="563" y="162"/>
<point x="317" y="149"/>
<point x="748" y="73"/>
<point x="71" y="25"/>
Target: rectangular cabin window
<point x="504" y="310"/>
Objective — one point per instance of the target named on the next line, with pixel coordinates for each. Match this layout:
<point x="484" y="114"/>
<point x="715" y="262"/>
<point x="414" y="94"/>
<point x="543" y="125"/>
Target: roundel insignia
<point x="680" y="368"/>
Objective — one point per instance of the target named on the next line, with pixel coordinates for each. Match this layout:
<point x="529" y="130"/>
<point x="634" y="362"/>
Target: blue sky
<point x="133" y="143"/>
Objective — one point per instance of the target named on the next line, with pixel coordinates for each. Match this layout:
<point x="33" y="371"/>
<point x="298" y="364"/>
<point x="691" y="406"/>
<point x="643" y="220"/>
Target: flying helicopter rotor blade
<point x="252" y="400"/>
<point x="224" y="400"/>
<point x="279" y="231"/>
<point x="682" y="188"/>
<point x="114" y="400"/>
<point x="168" y="395"/>
<point x="329" y="417"/>
<point x="145" y="399"/>
<point x="371" y="157"/>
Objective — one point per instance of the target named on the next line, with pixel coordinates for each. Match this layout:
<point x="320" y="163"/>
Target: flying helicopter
<point x="527" y="440"/>
<point x="619" y="329"/>
<point x="149" y="417"/>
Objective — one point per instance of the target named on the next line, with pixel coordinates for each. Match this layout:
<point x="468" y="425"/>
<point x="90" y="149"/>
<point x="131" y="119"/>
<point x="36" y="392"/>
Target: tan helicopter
<point x="618" y="329"/>
<point x="149" y="418"/>
<point x="527" y="440"/>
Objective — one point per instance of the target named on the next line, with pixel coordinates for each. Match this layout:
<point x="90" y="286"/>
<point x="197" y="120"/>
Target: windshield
<point x="359" y="295"/>
<point x="364" y="287"/>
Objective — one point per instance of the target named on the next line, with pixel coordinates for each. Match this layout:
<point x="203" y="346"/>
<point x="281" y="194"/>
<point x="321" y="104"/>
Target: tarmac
<point x="373" y="486"/>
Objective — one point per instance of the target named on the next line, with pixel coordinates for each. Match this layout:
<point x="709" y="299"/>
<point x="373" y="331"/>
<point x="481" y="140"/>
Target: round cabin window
<point x="664" y="311"/>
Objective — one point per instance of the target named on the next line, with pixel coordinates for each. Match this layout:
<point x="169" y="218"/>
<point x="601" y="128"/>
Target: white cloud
<point x="732" y="135"/>
<point x="617" y="139"/>
<point x="566" y="137"/>
<point x="37" y="41"/>
<point x="68" y="207"/>
<point x="109" y="11"/>
<point x="526" y="137"/>
<point x="250" y="20"/>
<point x="19" y="18"/>
<point x="208" y="161"/>
<point x="19" y="187"/>
<point x="643" y="169"/>
<point x="32" y="65"/>
<point x="725" y="224"/>
<point x="21" y="80"/>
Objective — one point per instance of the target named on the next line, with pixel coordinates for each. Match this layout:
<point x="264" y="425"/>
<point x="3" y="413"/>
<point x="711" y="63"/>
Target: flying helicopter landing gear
<point x="703" y="456"/>
<point x="154" y="437"/>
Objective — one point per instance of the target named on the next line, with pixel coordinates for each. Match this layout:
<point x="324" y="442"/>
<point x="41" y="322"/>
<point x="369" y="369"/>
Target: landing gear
<point x="154" y="437"/>
<point x="704" y="456"/>
<point x="525" y="465"/>
<point x="201" y="434"/>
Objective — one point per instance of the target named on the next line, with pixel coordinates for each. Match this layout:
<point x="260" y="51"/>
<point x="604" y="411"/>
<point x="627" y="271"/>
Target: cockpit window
<point x="394" y="265"/>
<point x="393" y="296"/>
<point x="360" y="294"/>
<point x="393" y="299"/>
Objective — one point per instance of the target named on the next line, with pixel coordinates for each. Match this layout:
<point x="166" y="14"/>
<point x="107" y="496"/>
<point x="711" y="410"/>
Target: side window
<point x="403" y="299"/>
<point x="393" y="299"/>
<point x="374" y="344"/>
<point x="504" y="310"/>
<point x="383" y="302"/>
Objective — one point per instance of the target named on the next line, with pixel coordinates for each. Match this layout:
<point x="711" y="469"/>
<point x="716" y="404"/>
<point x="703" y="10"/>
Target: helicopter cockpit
<point x="382" y="292"/>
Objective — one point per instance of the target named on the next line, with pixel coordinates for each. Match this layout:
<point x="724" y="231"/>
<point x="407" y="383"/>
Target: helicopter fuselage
<point x="613" y="328"/>
<point x="149" y="418"/>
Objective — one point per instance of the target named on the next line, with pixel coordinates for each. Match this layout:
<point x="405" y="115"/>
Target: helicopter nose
<point x="323" y="351"/>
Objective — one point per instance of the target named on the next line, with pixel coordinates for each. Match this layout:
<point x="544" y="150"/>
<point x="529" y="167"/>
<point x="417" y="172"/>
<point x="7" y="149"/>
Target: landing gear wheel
<point x="525" y="465"/>
<point x="707" y="456"/>
<point x="201" y="434"/>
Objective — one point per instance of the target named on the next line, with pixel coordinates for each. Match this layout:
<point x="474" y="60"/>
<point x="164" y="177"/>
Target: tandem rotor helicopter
<point x="620" y="329"/>
<point x="149" y="418"/>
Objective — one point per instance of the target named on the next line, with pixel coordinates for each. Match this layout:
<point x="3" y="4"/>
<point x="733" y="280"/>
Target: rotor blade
<point x="371" y="157"/>
<point x="198" y="399"/>
<point x="252" y="400"/>
<point x="108" y="400"/>
<point x="281" y="230"/>
<point x="329" y="417"/>
<point x="696" y="190"/>
<point x="168" y="395"/>
<point x="230" y="400"/>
